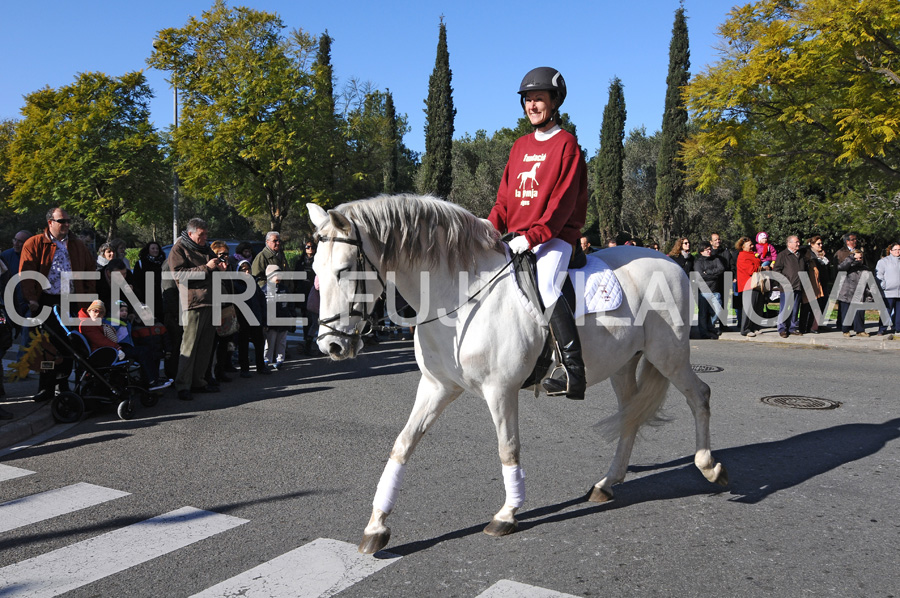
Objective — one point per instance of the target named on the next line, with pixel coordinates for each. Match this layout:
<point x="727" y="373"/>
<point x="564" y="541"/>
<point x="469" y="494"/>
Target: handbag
<point x="760" y="281"/>
<point x="230" y="323"/>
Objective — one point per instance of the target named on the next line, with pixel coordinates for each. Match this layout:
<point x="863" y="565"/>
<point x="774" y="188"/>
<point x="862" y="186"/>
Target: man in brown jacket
<point x="193" y="263"/>
<point x="54" y="254"/>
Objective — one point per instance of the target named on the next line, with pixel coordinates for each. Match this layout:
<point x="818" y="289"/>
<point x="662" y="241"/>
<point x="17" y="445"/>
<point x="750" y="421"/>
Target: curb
<point x="38" y="421"/>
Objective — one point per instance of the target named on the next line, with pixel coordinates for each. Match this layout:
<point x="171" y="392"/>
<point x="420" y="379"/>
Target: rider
<point x="543" y="198"/>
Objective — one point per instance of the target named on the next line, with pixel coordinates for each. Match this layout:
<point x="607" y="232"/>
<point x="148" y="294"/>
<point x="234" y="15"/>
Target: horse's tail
<point x="642" y="407"/>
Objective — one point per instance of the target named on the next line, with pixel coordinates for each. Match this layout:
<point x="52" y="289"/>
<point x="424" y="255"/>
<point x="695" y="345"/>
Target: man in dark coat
<point x="789" y="264"/>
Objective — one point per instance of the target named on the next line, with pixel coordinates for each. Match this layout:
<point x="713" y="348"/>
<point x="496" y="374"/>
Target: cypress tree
<point x="608" y="175"/>
<point x="324" y="74"/>
<point x="436" y="164"/>
<point x="670" y="185"/>
<point x="391" y="166"/>
<point x="326" y="122"/>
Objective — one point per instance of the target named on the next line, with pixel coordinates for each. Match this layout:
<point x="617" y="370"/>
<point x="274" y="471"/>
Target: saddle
<point x="525" y="270"/>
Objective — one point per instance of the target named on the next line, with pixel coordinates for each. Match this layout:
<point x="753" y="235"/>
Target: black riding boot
<point x="565" y="335"/>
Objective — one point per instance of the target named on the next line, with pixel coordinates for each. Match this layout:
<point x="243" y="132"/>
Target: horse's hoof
<point x="499" y="528"/>
<point x="599" y="495"/>
<point x="722" y="478"/>
<point x="372" y="543"/>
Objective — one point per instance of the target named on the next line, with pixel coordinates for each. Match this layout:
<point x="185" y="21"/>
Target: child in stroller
<point x="102" y="374"/>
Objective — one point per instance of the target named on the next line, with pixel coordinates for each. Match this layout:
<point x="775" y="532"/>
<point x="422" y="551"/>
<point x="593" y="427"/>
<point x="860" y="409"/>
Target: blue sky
<point x="492" y="44"/>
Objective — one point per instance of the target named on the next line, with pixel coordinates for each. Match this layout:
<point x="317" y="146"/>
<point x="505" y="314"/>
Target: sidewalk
<point x="33" y="418"/>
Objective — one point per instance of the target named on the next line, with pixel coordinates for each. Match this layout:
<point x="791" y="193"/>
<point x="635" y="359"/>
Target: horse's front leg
<point x="431" y="399"/>
<point x="504" y="408"/>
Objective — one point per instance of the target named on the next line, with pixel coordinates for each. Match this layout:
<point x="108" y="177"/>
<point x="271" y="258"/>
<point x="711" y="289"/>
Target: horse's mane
<point x="421" y="229"/>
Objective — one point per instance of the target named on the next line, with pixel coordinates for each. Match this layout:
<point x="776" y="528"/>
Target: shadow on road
<point x="750" y="468"/>
<point x="119" y="522"/>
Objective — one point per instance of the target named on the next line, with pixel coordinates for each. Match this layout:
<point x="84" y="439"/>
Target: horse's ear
<point x="317" y="215"/>
<point x="340" y="222"/>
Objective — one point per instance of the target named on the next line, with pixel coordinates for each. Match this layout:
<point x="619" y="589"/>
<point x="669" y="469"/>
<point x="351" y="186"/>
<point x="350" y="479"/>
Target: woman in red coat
<point x="747" y="264"/>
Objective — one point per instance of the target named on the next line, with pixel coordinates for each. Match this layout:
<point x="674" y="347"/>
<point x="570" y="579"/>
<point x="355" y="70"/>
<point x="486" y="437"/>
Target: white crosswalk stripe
<point x="316" y="570"/>
<point x="319" y="569"/>
<point x="65" y="569"/>
<point x="7" y="472"/>
<point x="513" y="589"/>
<point x="53" y="503"/>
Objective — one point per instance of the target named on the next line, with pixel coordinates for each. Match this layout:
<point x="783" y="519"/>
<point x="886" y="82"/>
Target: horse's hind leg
<point x="624" y="384"/>
<point x="431" y="399"/>
<point x="697" y="393"/>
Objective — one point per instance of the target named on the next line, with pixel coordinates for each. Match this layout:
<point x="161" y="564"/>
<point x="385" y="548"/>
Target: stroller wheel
<point x="126" y="409"/>
<point x="67" y="407"/>
<point x="147" y="398"/>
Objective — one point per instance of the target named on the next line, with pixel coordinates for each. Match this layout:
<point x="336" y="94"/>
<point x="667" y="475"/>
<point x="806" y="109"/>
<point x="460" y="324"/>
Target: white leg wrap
<point x="514" y="480"/>
<point x="389" y="486"/>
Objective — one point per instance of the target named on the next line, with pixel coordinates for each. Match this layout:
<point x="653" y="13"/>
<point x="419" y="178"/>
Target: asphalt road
<point x="811" y="509"/>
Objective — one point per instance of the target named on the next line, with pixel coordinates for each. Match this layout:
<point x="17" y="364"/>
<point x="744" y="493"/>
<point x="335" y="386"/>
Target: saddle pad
<point x="602" y="291"/>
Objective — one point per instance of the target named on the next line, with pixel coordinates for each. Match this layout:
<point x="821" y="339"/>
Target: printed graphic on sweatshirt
<point x="529" y="177"/>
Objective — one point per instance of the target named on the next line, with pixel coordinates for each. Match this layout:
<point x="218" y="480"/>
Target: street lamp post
<point x="175" y="178"/>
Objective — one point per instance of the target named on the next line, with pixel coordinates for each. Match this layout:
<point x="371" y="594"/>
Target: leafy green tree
<point x="90" y="148"/>
<point x="641" y="155"/>
<point x="608" y="172"/>
<point x="437" y="171"/>
<point x="248" y="128"/>
<point x="806" y="89"/>
<point x="7" y="135"/>
<point x="478" y="164"/>
<point x="670" y="178"/>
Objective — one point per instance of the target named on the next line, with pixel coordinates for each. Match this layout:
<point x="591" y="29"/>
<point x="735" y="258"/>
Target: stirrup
<point x="559" y="386"/>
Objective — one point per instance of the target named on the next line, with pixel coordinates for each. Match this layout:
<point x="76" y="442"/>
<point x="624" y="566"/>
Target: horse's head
<point x="349" y="283"/>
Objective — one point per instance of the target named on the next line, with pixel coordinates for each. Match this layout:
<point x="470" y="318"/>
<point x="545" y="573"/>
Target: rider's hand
<point x="519" y="244"/>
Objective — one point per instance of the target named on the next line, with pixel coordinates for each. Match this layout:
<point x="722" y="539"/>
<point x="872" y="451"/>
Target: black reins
<point x="366" y="318"/>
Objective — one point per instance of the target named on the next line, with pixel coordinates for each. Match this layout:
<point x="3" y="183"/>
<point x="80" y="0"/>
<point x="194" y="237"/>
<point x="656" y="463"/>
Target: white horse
<point x="489" y="346"/>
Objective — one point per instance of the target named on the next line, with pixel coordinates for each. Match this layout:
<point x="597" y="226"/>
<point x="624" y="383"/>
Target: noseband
<point x="363" y="264"/>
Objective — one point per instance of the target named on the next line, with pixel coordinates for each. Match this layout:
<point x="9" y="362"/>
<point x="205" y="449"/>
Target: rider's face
<point x="538" y="106"/>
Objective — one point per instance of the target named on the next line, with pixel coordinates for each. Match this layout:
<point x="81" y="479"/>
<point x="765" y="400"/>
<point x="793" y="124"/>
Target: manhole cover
<point x="702" y="369"/>
<point x="796" y="402"/>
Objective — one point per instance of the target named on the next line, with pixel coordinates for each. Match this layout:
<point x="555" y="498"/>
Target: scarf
<point x="186" y="239"/>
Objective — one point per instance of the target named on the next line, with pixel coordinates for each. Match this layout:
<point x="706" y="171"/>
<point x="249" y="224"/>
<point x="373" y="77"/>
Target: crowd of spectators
<point x="800" y="276"/>
<point x="161" y="310"/>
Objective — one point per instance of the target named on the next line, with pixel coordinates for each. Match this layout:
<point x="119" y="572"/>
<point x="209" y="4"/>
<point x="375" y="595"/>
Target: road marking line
<point x="321" y="568"/>
<point x="7" y="472"/>
<point x="513" y="589"/>
<point x="74" y="566"/>
<point x="53" y="503"/>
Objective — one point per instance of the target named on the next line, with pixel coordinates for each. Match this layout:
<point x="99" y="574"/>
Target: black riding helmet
<point x="544" y="78"/>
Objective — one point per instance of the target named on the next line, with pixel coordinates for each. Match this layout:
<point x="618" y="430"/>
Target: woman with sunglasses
<point x="817" y="268"/>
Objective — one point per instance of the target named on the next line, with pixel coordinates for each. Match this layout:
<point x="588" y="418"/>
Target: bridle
<point x="363" y="264"/>
<point x="365" y="324"/>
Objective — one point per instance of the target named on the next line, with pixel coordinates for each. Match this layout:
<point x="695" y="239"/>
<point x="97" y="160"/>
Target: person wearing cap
<point x="542" y="199"/>
<point x="97" y="330"/>
<point x="55" y="254"/>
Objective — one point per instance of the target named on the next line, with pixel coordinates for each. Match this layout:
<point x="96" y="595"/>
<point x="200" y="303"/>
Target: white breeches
<point x="552" y="268"/>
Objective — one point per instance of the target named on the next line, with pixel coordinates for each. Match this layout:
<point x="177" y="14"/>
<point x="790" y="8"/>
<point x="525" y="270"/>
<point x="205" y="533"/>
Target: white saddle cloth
<point x="602" y="291"/>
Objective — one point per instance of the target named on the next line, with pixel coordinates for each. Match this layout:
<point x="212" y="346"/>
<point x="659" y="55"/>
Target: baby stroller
<point x="100" y="378"/>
